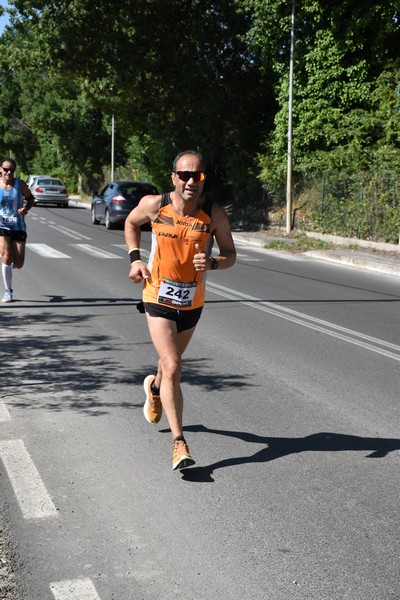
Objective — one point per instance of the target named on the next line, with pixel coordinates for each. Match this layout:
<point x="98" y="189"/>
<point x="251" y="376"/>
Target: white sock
<point x="7" y="276"/>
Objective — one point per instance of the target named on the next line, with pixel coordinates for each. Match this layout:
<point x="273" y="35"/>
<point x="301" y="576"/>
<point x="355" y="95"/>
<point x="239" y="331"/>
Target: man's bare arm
<point x="220" y="228"/>
<point x="30" y="200"/>
<point x="222" y="232"/>
<point x="144" y="212"/>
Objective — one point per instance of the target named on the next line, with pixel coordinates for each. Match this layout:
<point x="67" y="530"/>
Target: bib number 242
<point x="177" y="293"/>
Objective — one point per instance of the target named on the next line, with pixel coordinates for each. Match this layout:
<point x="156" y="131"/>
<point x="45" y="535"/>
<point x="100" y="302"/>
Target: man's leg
<point x="183" y="341"/>
<point x="18" y="254"/>
<point x="6" y="249"/>
<point x="170" y="346"/>
<point x="6" y="265"/>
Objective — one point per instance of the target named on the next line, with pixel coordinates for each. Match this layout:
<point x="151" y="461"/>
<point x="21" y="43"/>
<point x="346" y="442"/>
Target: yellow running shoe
<point x="181" y="456"/>
<point x="152" y="408"/>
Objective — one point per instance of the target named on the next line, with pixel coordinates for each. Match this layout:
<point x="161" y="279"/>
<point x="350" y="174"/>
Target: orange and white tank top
<point x="174" y="281"/>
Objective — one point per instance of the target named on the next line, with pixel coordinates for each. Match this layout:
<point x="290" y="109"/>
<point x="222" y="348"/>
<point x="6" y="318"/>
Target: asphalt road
<point x="292" y="414"/>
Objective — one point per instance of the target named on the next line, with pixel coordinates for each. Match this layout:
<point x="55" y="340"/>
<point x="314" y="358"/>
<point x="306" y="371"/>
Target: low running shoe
<point x="152" y="408"/>
<point x="181" y="456"/>
<point x="8" y="296"/>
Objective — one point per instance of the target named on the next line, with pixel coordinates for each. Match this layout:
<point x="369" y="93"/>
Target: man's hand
<point x="201" y="260"/>
<point x="138" y="272"/>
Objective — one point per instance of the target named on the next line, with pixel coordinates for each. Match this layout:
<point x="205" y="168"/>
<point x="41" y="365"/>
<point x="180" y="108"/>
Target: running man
<point x="13" y="191"/>
<point x="184" y="223"/>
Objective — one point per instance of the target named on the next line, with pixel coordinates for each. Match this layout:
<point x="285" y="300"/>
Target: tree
<point x="173" y="87"/>
<point x="345" y="82"/>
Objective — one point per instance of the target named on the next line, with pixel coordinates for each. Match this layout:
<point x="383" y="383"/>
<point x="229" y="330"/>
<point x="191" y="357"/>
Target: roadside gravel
<point x="9" y="589"/>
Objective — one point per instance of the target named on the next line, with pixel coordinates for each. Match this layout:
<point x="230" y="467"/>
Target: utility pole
<point x="289" y="137"/>
<point x="112" y="147"/>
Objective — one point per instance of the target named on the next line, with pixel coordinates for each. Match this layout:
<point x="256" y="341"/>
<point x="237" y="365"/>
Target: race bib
<point x="176" y="293"/>
<point x="8" y="220"/>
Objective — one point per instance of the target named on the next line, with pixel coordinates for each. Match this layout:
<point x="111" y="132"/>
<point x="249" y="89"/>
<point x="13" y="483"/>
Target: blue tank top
<point x="10" y="201"/>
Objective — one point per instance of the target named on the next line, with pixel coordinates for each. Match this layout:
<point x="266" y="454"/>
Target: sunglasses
<point x="8" y="170"/>
<point x="195" y="175"/>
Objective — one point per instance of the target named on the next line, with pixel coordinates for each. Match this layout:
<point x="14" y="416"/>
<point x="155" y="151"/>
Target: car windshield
<point x="49" y="182"/>
<point x="135" y="190"/>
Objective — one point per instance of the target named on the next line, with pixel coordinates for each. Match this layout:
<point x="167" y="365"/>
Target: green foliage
<point x="172" y="87"/>
<point x="277" y="245"/>
<point x="345" y="79"/>
<point x="299" y="244"/>
<point x="306" y="243"/>
<point x="220" y="86"/>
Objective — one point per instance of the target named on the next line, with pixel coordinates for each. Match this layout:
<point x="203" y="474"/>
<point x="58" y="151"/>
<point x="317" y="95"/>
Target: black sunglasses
<point x="6" y="169"/>
<point x="195" y="175"/>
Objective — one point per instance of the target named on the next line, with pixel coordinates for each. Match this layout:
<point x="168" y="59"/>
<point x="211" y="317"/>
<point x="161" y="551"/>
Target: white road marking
<point x="342" y="333"/>
<point x="145" y="253"/>
<point x="96" y="252"/>
<point x="74" y="589"/>
<point x="46" y="251"/>
<point x="4" y="414"/>
<point x="29" y="489"/>
<point x="61" y="229"/>
<point x="69" y="233"/>
<point x="37" y="218"/>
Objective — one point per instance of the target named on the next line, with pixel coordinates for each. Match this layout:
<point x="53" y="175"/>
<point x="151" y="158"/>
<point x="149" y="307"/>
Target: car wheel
<point x="109" y="225"/>
<point x="94" y="220"/>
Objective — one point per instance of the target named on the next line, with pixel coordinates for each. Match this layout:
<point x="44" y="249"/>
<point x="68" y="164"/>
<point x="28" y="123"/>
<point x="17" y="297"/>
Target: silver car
<point x="32" y="179"/>
<point x="49" y="190"/>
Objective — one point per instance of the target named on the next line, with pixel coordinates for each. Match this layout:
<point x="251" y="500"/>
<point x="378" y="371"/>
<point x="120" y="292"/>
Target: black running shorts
<point x="184" y="319"/>
<point x="17" y="236"/>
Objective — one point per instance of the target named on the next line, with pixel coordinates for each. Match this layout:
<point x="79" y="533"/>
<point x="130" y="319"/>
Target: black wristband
<point x="214" y="263"/>
<point x="134" y="255"/>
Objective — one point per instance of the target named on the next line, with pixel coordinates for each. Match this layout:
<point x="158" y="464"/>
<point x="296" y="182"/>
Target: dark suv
<point x="113" y="204"/>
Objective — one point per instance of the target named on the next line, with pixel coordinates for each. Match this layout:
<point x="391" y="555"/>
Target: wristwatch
<point x="214" y="263"/>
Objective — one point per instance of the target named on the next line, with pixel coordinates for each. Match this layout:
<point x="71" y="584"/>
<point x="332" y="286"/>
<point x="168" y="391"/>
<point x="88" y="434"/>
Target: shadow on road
<point x="279" y="447"/>
<point x="51" y="362"/>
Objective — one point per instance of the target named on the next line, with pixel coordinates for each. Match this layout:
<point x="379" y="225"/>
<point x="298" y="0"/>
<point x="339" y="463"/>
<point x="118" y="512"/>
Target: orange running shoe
<point x="152" y="408"/>
<point x="181" y="456"/>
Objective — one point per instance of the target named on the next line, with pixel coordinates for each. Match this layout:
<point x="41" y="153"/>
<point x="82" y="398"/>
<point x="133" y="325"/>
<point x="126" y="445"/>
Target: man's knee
<point x="171" y="368"/>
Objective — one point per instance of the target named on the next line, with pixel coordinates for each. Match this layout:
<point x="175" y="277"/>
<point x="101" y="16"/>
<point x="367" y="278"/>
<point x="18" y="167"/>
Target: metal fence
<point x="362" y="205"/>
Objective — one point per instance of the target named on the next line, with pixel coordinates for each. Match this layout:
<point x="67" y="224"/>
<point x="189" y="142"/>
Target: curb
<point x="378" y="265"/>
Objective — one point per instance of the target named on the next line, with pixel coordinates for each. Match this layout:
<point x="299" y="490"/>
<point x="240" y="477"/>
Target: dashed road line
<point x="96" y="252"/>
<point x="70" y="232"/>
<point x="144" y="253"/>
<point x="61" y="228"/>
<point x="32" y="496"/>
<point x="74" y="589"/>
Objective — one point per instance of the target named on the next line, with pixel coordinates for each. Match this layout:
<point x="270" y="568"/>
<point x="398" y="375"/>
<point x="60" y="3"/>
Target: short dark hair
<point x="186" y="153"/>
<point x="10" y="160"/>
